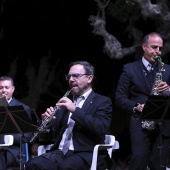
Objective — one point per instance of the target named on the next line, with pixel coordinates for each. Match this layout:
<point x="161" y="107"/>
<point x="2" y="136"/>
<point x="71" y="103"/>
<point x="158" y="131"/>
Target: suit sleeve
<point x="96" y="119"/>
<point x="122" y="95"/>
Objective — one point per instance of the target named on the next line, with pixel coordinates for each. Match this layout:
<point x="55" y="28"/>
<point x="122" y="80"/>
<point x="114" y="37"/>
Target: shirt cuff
<point x="135" y="109"/>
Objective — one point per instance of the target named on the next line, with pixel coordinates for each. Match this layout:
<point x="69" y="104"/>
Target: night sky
<point x="60" y="30"/>
<point x="32" y="29"/>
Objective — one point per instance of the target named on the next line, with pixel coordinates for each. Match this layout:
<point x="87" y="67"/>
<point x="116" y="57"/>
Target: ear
<point x="144" y="46"/>
<point x="13" y="88"/>
<point x="90" y="78"/>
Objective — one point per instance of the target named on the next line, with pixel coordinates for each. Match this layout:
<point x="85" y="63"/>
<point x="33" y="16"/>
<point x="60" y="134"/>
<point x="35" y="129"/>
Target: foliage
<point x="140" y="17"/>
<point x="122" y="10"/>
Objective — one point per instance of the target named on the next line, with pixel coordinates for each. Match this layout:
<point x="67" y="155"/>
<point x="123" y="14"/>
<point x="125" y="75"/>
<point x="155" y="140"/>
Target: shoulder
<point x="167" y="66"/>
<point x="100" y="97"/>
<point x="131" y="68"/>
<point x="133" y="64"/>
<point x="15" y="102"/>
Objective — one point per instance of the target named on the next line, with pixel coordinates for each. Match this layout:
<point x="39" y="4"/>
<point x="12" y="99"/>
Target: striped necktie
<point x="69" y="130"/>
<point x="149" y="67"/>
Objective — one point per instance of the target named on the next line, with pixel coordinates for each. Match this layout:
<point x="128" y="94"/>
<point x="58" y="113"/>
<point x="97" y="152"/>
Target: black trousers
<point x="55" y="160"/>
<point x="7" y="159"/>
<point x="148" y="148"/>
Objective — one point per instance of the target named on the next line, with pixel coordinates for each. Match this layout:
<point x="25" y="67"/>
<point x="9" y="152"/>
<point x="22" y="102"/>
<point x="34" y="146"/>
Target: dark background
<point x="60" y="30"/>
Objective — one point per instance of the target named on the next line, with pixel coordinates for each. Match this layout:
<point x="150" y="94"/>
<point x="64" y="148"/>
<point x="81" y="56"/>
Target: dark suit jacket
<point x="92" y="122"/>
<point x="134" y="88"/>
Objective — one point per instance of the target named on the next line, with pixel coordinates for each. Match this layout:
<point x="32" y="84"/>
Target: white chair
<point x="110" y="145"/>
<point x="114" y="147"/>
<point x="8" y="141"/>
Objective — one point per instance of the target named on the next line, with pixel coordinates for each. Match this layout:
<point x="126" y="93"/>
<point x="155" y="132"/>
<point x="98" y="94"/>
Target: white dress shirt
<point x="85" y="95"/>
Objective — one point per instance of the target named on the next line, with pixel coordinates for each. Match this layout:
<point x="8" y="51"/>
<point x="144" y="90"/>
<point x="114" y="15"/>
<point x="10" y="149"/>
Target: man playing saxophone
<point x="135" y="85"/>
<point x="79" y="124"/>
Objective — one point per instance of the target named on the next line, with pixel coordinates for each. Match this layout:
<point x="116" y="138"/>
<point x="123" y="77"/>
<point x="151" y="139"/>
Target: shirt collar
<point x="145" y="62"/>
<point x="85" y="95"/>
<point x="9" y="100"/>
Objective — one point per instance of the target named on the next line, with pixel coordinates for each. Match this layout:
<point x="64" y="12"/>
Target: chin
<point x="152" y="60"/>
<point x="75" y="91"/>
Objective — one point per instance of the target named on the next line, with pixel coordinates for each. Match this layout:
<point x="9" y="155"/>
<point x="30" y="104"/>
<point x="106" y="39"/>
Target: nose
<point x="158" y="50"/>
<point x="3" y="89"/>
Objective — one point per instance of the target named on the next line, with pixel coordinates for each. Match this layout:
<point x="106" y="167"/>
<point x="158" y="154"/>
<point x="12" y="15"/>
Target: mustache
<point x="73" y="85"/>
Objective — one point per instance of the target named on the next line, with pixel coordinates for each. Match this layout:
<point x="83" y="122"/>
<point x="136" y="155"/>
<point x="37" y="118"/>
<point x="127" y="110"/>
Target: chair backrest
<point x="8" y="139"/>
<point x="109" y="139"/>
<point x="114" y="147"/>
<point x="110" y="145"/>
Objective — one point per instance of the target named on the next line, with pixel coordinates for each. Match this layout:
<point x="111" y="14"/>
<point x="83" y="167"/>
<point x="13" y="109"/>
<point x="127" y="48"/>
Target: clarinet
<point x="44" y="124"/>
<point x="150" y="125"/>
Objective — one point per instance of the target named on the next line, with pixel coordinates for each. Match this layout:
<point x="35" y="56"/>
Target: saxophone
<point x="44" y="125"/>
<point x="150" y="125"/>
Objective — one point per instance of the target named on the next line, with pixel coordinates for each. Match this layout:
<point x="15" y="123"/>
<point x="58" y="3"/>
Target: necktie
<point x="149" y="67"/>
<point x="69" y="130"/>
<point x="68" y="137"/>
<point x="78" y="100"/>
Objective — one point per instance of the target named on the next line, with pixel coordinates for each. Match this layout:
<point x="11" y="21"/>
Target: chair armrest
<point x="95" y="154"/>
<point x="109" y="142"/>
<point x="114" y="147"/>
<point x="8" y="141"/>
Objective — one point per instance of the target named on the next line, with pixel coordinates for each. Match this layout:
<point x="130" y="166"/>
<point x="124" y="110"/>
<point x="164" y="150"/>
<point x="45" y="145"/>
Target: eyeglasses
<point x="74" y="76"/>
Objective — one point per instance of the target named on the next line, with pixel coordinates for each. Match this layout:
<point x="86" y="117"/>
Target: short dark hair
<point x="89" y="69"/>
<point x="146" y="37"/>
<point x="2" y="78"/>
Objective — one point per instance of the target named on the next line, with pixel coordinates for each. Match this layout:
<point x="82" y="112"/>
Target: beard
<point x="79" y="90"/>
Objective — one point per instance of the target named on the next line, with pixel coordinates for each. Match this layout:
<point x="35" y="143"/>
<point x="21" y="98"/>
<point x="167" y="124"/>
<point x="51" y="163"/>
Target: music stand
<point x="14" y="119"/>
<point x="3" y="101"/>
<point x="156" y="109"/>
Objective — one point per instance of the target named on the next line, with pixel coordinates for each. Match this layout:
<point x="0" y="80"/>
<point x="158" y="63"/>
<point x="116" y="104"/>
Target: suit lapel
<point x="88" y="101"/>
<point x="12" y="102"/>
<point x="141" y="73"/>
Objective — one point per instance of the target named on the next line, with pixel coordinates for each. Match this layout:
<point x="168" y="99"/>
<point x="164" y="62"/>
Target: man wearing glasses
<point x="78" y="126"/>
